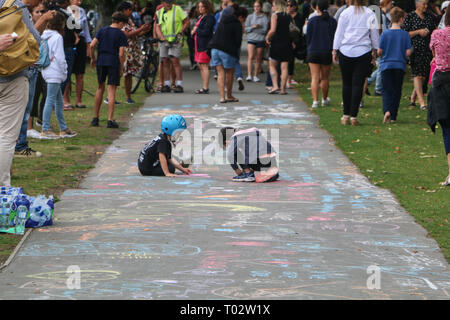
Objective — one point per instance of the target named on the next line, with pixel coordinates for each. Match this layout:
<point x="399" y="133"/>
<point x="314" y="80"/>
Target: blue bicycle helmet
<point x="172" y="123"/>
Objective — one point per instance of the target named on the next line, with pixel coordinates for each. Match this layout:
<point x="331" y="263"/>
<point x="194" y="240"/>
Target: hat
<point x="445" y="4"/>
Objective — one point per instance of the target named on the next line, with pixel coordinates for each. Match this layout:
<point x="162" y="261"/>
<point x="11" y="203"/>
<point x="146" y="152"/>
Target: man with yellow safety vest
<point x="172" y="21"/>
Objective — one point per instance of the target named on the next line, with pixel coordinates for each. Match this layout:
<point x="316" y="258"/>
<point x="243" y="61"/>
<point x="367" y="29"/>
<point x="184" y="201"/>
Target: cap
<point x="445" y="4"/>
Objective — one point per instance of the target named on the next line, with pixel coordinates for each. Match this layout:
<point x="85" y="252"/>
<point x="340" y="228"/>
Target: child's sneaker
<point x="256" y="79"/>
<point x="326" y="102"/>
<point x="245" y="177"/>
<point x="248" y="79"/>
<point x="49" y="135"/>
<point x="115" y="102"/>
<point x="315" y="104"/>
<point x="130" y="101"/>
<point x="67" y="133"/>
<point x="112" y="124"/>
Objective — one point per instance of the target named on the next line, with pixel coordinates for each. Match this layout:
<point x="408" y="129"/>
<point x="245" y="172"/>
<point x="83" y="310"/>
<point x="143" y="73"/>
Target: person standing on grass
<point x="354" y="48"/>
<point x="395" y="46"/>
<point x="112" y="42"/>
<point x="420" y="25"/>
<point x="319" y="41"/>
<point x="203" y="32"/>
<point x="439" y="97"/>
<point x="280" y="43"/>
<point x="225" y="46"/>
<point x="54" y="75"/>
<point x="133" y="59"/>
<point x="256" y="27"/>
<point x="81" y="52"/>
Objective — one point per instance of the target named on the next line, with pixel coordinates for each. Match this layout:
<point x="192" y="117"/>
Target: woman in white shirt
<point x="354" y="48"/>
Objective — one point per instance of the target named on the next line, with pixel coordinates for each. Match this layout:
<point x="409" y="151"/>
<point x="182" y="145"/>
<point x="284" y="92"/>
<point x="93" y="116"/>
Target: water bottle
<point x="40" y="213"/>
<point x="23" y="209"/>
<point x="4" y="214"/>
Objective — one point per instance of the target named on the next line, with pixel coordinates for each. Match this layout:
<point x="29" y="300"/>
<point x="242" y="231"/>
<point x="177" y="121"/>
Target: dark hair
<point x="323" y="7"/>
<point x="239" y="11"/>
<point x="124" y="6"/>
<point x="447" y="18"/>
<point x="118" y="17"/>
<point x="293" y="2"/>
<point x="208" y="5"/>
<point x="225" y="134"/>
<point x="56" y="23"/>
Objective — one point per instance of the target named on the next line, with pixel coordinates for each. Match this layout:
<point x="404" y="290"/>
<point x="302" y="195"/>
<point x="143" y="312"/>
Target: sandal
<point x="276" y="91"/>
<point x="69" y="107"/>
<point x="223" y="101"/>
<point x="202" y="91"/>
<point x="345" y="120"/>
<point x="283" y="93"/>
<point x="232" y="100"/>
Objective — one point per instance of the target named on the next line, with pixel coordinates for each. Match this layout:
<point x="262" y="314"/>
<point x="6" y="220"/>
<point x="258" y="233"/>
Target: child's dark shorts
<point x="113" y="74"/>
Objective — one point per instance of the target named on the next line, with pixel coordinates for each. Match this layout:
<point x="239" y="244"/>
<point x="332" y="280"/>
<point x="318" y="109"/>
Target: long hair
<point x="208" y="6"/>
<point x="359" y="4"/>
<point x="280" y="6"/>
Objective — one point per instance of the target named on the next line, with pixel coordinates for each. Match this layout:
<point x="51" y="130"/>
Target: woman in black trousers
<point x="354" y="48"/>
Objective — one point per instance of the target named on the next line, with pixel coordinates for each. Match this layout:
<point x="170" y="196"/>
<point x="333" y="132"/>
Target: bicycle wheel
<point x="152" y="73"/>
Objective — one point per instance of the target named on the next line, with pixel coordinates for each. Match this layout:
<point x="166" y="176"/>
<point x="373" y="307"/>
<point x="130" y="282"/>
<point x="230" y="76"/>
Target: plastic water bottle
<point x="40" y="213"/>
<point x="5" y="210"/>
<point x="23" y="209"/>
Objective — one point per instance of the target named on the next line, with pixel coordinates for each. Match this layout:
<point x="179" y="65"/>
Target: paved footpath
<point x="314" y="234"/>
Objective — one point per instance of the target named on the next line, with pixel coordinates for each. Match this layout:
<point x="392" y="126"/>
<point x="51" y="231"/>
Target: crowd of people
<point x="369" y="43"/>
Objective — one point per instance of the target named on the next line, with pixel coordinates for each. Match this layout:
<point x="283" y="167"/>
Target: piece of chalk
<point x="14" y="35"/>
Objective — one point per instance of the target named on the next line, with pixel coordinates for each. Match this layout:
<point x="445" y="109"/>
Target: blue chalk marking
<point x="274" y="121"/>
<point x="230" y="230"/>
<point x="277" y="102"/>
<point x="260" y="274"/>
<point x="289" y="275"/>
<point x="305" y="155"/>
<point x="186" y="106"/>
<point x="203" y="106"/>
<point x="257" y="102"/>
<point x="307" y="178"/>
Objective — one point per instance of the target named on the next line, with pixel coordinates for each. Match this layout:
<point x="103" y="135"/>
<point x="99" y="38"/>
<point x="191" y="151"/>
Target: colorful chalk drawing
<point x="85" y="275"/>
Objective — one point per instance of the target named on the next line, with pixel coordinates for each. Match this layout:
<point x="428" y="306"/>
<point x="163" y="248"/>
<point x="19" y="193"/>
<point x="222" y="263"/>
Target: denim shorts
<point x="220" y="58"/>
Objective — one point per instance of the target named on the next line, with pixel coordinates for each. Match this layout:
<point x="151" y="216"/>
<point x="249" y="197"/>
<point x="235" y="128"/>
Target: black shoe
<point x="178" y="89"/>
<point x="94" y="122"/>
<point x="378" y="93"/>
<point x="165" y="89"/>
<point x="241" y="84"/>
<point x="112" y="124"/>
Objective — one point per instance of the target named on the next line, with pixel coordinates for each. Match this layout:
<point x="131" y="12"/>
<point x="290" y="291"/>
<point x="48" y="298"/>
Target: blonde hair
<point x="280" y="6"/>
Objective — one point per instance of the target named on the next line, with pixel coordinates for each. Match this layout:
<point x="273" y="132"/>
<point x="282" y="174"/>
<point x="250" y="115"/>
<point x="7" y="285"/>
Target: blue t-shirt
<point x="394" y="43"/>
<point x="109" y="41"/>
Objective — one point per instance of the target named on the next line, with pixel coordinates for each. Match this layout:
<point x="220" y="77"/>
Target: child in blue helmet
<point x="156" y="157"/>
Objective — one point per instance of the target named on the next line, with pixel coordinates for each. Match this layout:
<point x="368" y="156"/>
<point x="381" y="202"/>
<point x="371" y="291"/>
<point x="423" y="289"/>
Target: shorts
<point x="322" y="58"/>
<point x="202" y="57"/>
<point x="79" y="65"/>
<point x="113" y="74"/>
<point x="170" y="50"/>
<point x="220" y="58"/>
<point x="258" y="44"/>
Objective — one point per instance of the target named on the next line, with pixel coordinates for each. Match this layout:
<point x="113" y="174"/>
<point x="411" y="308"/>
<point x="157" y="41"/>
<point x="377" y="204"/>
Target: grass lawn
<point x="406" y="157"/>
<point x="66" y="161"/>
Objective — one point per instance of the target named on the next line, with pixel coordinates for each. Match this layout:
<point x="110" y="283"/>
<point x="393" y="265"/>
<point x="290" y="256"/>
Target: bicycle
<point x="149" y="69"/>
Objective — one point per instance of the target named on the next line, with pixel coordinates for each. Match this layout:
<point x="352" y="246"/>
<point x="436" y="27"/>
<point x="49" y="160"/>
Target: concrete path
<point x="321" y="232"/>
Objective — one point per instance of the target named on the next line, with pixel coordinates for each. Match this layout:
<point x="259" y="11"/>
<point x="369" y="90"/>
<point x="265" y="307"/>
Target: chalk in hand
<point x="14" y="35"/>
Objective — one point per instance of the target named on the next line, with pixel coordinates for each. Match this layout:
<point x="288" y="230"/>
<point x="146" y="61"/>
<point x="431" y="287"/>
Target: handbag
<point x="24" y="52"/>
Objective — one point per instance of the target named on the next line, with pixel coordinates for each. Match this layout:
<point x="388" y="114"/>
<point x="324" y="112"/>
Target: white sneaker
<point x="249" y="78"/>
<point x="256" y="79"/>
<point x="326" y="102"/>
<point x="33" y="134"/>
<point x="315" y="104"/>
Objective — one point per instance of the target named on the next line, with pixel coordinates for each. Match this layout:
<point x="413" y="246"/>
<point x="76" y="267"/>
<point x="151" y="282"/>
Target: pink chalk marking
<point x="117" y="184"/>
<point x="318" y="219"/>
<point x="249" y="244"/>
<point x="99" y="186"/>
<point x="195" y="175"/>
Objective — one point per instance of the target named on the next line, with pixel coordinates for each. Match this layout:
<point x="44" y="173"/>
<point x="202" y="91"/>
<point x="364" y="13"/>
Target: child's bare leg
<point x="98" y="99"/>
<point x="111" y="101"/>
<point x="229" y="80"/>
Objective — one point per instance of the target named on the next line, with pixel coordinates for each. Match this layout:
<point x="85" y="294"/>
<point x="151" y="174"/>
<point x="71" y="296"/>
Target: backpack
<point x="44" y="55"/>
<point x="24" y="52"/>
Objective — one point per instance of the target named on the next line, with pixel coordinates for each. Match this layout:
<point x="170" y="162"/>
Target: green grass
<point x="66" y="161"/>
<point x="406" y="157"/>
